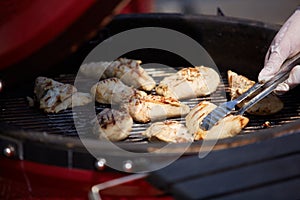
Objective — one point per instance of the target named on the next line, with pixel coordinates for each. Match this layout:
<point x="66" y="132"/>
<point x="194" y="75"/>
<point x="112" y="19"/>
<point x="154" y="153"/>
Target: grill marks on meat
<point x="168" y="131"/>
<point x="174" y="132"/>
<point x="146" y="108"/>
<point x="129" y="71"/>
<point x="54" y="96"/>
<point x="113" y="91"/>
<point x="189" y="83"/>
<point x="229" y="126"/>
<point x="239" y="84"/>
<point x="141" y="106"/>
<point x="136" y="105"/>
<point x="113" y="125"/>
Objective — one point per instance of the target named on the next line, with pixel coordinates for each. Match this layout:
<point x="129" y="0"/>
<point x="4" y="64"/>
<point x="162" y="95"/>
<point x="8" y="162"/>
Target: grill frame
<point x="32" y="141"/>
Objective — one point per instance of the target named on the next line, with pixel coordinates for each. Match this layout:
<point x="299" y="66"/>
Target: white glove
<point x="285" y="45"/>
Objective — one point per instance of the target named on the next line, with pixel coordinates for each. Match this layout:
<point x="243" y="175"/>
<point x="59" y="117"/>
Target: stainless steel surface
<point x="226" y="108"/>
<point x="94" y="193"/>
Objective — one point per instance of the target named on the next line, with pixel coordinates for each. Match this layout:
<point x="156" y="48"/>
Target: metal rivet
<point x="1" y="85"/>
<point x="100" y="164"/>
<point x="9" y="151"/>
<point x="128" y="165"/>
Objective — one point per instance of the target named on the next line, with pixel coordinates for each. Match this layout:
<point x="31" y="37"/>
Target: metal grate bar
<point x="17" y="112"/>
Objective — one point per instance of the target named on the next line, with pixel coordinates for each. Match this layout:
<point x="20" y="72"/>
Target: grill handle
<point x="95" y="190"/>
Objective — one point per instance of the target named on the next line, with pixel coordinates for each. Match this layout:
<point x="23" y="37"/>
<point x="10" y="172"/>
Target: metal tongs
<point x="267" y="87"/>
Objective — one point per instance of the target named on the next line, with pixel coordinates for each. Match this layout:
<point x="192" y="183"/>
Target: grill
<point x="18" y="113"/>
<point x="45" y="148"/>
<point x="233" y="44"/>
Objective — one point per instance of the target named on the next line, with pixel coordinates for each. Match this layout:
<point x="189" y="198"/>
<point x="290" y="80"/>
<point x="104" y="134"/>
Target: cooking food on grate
<point x="229" y="126"/>
<point x="54" y="96"/>
<point x="113" y="125"/>
<point x="168" y="131"/>
<point x="113" y="91"/>
<point x="146" y="108"/>
<point x="239" y="84"/>
<point x="266" y="124"/>
<point x="128" y="70"/>
<point x="189" y="83"/>
<point x="94" y="69"/>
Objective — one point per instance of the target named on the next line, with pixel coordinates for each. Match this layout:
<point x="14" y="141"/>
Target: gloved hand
<point x="285" y="44"/>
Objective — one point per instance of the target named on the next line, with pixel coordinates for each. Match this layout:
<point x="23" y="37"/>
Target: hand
<point x="285" y="44"/>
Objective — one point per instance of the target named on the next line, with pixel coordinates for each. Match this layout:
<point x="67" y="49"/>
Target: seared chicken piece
<point x="94" y="69"/>
<point x="239" y="84"/>
<point x="229" y="126"/>
<point x="113" y="91"/>
<point x="168" y="131"/>
<point x="189" y="83"/>
<point x="146" y="108"/>
<point x="54" y="96"/>
<point x="113" y="125"/>
<point x="80" y="99"/>
<point x="129" y="71"/>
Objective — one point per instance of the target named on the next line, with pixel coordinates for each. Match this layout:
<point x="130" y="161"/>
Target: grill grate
<point x="16" y="112"/>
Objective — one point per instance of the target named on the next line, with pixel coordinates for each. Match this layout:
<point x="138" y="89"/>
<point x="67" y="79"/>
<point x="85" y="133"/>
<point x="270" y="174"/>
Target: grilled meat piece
<point x="113" y="125"/>
<point x="146" y="108"/>
<point x="229" y="126"/>
<point x="94" y="69"/>
<point x="189" y="83"/>
<point x="112" y="91"/>
<point x="239" y="84"/>
<point x="54" y="96"/>
<point x="129" y="71"/>
<point x="168" y="131"/>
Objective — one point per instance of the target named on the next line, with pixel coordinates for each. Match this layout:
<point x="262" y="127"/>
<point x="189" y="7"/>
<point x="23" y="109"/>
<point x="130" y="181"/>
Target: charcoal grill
<point x="52" y="139"/>
<point x="17" y="112"/>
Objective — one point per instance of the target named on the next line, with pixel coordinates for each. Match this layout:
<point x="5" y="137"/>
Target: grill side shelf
<point x="235" y="172"/>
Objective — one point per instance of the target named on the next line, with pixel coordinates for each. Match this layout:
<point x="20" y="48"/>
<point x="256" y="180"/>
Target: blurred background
<point x="271" y="11"/>
<point x="34" y="27"/>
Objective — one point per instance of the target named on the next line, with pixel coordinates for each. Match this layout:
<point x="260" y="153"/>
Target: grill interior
<point x="16" y="112"/>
